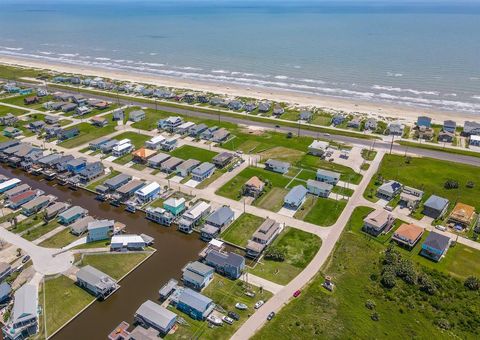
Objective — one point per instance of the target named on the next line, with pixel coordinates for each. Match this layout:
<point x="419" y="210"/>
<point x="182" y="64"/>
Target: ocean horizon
<point x="415" y="54"/>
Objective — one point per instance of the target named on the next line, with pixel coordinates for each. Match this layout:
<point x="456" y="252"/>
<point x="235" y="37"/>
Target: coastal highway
<point x="296" y="131"/>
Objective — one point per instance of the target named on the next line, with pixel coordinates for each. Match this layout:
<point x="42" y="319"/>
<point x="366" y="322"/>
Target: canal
<point x="174" y="250"/>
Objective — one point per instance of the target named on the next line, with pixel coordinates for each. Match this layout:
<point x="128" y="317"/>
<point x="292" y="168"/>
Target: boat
<point x="115" y="203"/>
<point x="49" y="175"/>
<point x="214" y="320"/>
<point x="241" y="306"/>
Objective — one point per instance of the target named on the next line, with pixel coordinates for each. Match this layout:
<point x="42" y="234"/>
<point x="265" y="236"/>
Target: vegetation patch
<point x="114" y="265"/>
<point x="242" y="229"/>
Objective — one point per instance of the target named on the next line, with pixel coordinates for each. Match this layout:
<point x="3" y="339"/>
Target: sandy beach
<point x="404" y="113"/>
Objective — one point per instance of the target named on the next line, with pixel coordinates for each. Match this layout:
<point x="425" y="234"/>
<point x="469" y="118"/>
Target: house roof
<point x="113" y="182"/>
<point x="99" y="224"/>
<point x="137" y="113"/>
<point x="377" y="218"/>
<point x="72" y="212"/>
<point x="81" y="225"/>
<point x="220" y="216"/>
<point x="130" y="186"/>
<point x="463" y="212"/>
<point x="436" y="203"/>
<point x="16" y="190"/>
<point x="171" y="163"/>
<point x="390" y="187"/>
<point x="319" y="185"/>
<point x="203" y="168"/>
<point x="5" y="290"/>
<point x="409" y="231"/>
<point x="174" y="202"/>
<point x="195" y="300"/>
<point x="266" y="230"/>
<point x="198" y="209"/>
<point x="296" y="194"/>
<point x="318" y="144"/>
<point x="188" y="164"/>
<point x="255" y="182"/>
<point x="92" y="275"/>
<point x="26" y="302"/>
<point x="437" y="241"/>
<point x="156" y="314"/>
<point x="159" y="158"/>
<point x="328" y="173"/>
<point x="222" y="259"/>
<point x="144" y="153"/>
<point x="149" y="188"/>
<point x="36" y="202"/>
<point x="276" y="163"/>
<point x="221" y="157"/>
<point x="199" y="268"/>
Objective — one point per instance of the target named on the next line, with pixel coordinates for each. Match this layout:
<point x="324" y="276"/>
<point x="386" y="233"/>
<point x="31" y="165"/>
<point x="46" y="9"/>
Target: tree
<point x="470" y="184"/>
<point x="450" y="184"/>
<point x="472" y="283"/>
<point x="388" y="277"/>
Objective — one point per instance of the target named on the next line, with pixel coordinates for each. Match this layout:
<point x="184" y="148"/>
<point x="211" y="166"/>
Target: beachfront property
<point x="389" y="190"/>
<point x="155" y="143"/>
<point x="222" y="159"/>
<point x="216" y="223"/>
<point x="338" y="119"/>
<point x="96" y="282"/>
<point x="277" y="166"/>
<point x="228" y="264"/>
<point x="116" y="182"/>
<point x="446" y="136"/>
<point x="99" y="230"/>
<point x="422" y="132"/>
<point x="127" y="242"/>
<point x="235" y="105"/>
<point x="170" y="123"/>
<point x="377" y="222"/>
<point x="159" y="215"/>
<point x="250" y="106"/>
<point x="410" y="197"/>
<point x="306" y="116"/>
<point x="317" y="188"/>
<point x="408" y="235"/>
<point x="471" y="128"/>
<point x="194" y="304"/>
<point x="23" y="321"/>
<point x="203" y="171"/>
<point x="395" y="128"/>
<point x="318" y="148"/>
<point x="170" y="165"/>
<point x="278" y="110"/>
<point x="295" y="197"/>
<point x="263" y="236"/>
<point x="122" y="148"/>
<point x="197" y="275"/>
<point x="474" y="140"/>
<point x="424" y="121"/>
<point x="253" y="187"/>
<point x="327" y="176"/>
<point x="462" y="216"/>
<point x="71" y="215"/>
<point x="193" y="216"/>
<point x="174" y="205"/>
<point x="435" y="246"/>
<point x="37" y="204"/>
<point x="354" y="123"/>
<point x="80" y="226"/>
<point x="449" y="126"/>
<point x="185" y="168"/>
<point x="157" y="160"/>
<point x="153" y="315"/>
<point x="264" y="106"/>
<point x="136" y="116"/>
<point x="435" y="207"/>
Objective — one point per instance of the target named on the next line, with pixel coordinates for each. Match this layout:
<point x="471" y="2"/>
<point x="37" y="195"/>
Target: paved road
<point x="257" y="320"/>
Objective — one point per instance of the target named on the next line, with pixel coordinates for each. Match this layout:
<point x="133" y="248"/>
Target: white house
<point x="155" y="143"/>
<point x="277" y="166"/>
<point x="126" y="242"/>
<point x="318" y="148"/>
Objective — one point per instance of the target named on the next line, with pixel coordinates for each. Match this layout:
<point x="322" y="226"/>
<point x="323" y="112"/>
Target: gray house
<point x="151" y="314"/>
<point x="389" y="190"/>
<point x="435" y="206"/>
<point x="216" y="222"/>
<point x="228" y="264"/>
<point x="117" y="181"/>
<point x="136" y="116"/>
<point x="23" y="321"/>
<point x="96" y="282"/>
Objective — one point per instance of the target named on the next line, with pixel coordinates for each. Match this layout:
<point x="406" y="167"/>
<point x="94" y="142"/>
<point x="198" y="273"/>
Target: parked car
<point x="25" y="259"/>
<point x="441" y="227"/>
<point x="388" y="208"/>
<point x="233" y="315"/>
<point x="259" y="304"/>
<point x="289" y="135"/>
<point x="228" y="320"/>
<point x="297" y="293"/>
<point x="270" y="316"/>
<point x="277" y="126"/>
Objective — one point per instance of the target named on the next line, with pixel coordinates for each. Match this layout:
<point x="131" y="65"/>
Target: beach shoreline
<point x="407" y="114"/>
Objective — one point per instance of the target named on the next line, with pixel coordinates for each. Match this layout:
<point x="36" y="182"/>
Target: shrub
<point x="426" y="285"/>
<point x="275" y="254"/>
<point x="451" y="184"/>
<point x="370" y="304"/>
<point x="443" y="324"/>
<point x="388" y="277"/>
<point x="375" y="316"/>
<point x="470" y="184"/>
<point x="472" y="283"/>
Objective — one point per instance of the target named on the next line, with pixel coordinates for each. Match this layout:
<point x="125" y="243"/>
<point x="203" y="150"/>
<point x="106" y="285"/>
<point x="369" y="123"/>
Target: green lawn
<point x="404" y="311"/>
<point x="368" y="155"/>
<point x="299" y="248"/>
<point x="429" y="175"/>
<point x="242" y="229"/>
<point x="59" y="240"/>
<point x="35" y="233"/>
<point x="272" y="199"/>
<point x="116" y="265"/>
<point x="63" y="299"/>
<point x="314" y="163"/>
<point x="18" y="101"/>
<point x="233" y="188"/>
<point x="151" y="119"/>
<point x="26" y="224"/>
<point x="95" y="112"/>
<point x="434" y="147"/>
<point x="321" y="211"/>
<point x="137" y="139"/>
<point x="225" y="293"/>
<point x="112" y="174"/>
<point x="200" y="154"/>
<point x="87" y="134"/>
<point x="14" y="111"/>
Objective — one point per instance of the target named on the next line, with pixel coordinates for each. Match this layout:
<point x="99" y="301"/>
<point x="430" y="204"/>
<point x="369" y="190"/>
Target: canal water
<point x="174" y="250"/>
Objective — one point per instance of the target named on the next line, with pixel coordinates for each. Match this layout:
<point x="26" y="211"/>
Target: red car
<point x="297" y="293"/>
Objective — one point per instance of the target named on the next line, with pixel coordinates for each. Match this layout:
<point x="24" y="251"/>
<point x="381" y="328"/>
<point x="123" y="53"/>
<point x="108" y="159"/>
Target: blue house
<point x="435" y="246"/>
<point x="196" y="305"/>
<point x="67" y="134"/>
<point x="71" y="215"/>
<point x="197" y="275"/>
<point x="174" y="205"/>
<point x="338" y="119"/>
<point x="449" y="126"/>
<point x="327" y="176"/>
<point x="203" y="171"/>
<point x="76" y="165"/>
<point x="424" y="121"/>
<point x="295" y="197"/>
<point x="228" y="264"/>
<point x="99" y="230"/>
<point x="5" y="291"/>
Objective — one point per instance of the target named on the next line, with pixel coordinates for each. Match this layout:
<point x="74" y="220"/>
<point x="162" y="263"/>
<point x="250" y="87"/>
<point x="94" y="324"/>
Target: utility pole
<point x="391" y="144"/>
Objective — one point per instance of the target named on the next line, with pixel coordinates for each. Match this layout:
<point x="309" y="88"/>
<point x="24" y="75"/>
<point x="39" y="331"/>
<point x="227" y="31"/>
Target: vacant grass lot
<point x="18" y="101"/>
<point x="233" y="188"/>
<point x="299" y="248"/>
<point x="116" y="265"/>
<point x="314" y="163"/>
<point x="26" y="224"/>
<point x="59" y="240"/>
<point x="63" y="299"/>
<point x="87" y="134"/>
<point x="225" y="293"/>
<point x="242" y="229"/>
<point x="321" y="211"/>
<point x="429" y="175"/>
<point x="192" y="152"/>
<point x="272" y="200"/>
<point x="404" y="311"/>
<point x="14" y="111"/>
<point x="41" y="230"/>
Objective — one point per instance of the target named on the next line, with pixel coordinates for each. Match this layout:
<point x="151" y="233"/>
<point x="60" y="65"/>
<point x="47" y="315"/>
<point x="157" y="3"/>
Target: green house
<point x="12" y="132"/>
<point x="174" y="205"/>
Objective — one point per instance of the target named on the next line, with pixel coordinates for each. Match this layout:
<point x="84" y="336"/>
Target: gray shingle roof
<point x="436" y="203"/>
<point x="222" y="259"/>
<point x="26" y="302"/>
<point x="220" y="216"/>
<point x="156" y="314"/>
<point x="195" y="300"/>
<point x="437" y="241"/>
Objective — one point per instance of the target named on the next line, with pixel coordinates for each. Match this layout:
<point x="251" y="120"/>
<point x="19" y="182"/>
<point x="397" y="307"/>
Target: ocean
<point x="421" y="55"/>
